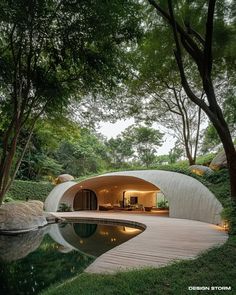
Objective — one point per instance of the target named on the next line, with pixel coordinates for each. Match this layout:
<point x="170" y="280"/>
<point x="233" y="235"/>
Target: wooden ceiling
<point x="124" y="182"/>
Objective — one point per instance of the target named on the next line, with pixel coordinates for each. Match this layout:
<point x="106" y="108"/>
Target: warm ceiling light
<point x="137" y="191"/>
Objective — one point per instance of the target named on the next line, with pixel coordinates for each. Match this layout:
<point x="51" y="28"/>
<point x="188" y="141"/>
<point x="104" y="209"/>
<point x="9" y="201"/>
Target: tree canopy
<point x="54" y="52"/>
<point x="168" y="62"/>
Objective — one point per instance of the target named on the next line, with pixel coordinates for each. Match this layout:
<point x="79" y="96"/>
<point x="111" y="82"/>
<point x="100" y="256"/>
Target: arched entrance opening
<point x="117" y="193"/>
<point x="85" y="199"/>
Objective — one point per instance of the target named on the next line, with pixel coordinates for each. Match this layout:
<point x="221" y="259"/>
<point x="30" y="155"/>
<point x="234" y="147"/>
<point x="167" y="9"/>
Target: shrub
<point x="21" y="190"/>
<point x="163" y="204"/>
<point x="8" y="199"/>
<point x="205" y="159"/>
<point x="64" y="208"/>
<point x="219" y="184"/>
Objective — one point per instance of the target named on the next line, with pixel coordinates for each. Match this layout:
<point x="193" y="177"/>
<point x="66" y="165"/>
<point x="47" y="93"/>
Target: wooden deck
<point x="163" y="241"/>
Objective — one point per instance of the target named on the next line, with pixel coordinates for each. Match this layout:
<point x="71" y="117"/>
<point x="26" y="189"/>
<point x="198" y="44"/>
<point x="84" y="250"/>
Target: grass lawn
<point x="216" y="267"/>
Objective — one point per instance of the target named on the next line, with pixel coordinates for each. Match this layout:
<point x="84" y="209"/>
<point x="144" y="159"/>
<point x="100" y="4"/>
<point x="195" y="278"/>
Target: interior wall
<point x="147" y="199"/>
<point x="115" y="196"/>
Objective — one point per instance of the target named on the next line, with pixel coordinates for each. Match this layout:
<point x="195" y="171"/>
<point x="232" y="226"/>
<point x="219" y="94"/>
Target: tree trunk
<point x="217" y="118"/>
<point x="197" y="135"/>
<point x="6" y="163"/>
<point x="230" y="153"/>
<point x="191" y="160"/>
<point x="204" y="61"/>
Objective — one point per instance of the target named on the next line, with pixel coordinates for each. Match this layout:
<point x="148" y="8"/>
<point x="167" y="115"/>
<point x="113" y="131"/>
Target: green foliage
<point x="181" y="167"/>
<point x="21" y="190"/>
<point x="221" y="176"/>
<point x="144" y="141"/>
<point x="53" y="54"/>
<point x="218" y="182"/>
<point x="229" y="215"/>
<point x="205" y="159"/>
<point x="8" y="199"/>
<point x="37" y="166"/>
<point x="119" y="150"/>
<point x="83" y="156"/>
<point x="81" y="151"/>
<point x="162" y="159"/>
<point x="210" y="139"/>
<point x="175" y="153"/>
<point x="64" y="208"/>
<point x="163" y="204"/>
<point x="230" y="109"/>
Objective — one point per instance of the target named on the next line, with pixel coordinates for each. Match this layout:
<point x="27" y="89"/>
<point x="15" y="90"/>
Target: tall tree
<point x="50" y="53"/>
<point x="82" y="156"/>
<point x="175" y="154"/>
<point x="161" y="97"/>
<point x="145" y="141"/>
<point x="169" y="106"/>
<point x="119" y="151"/>
<point x="197" y="45"/>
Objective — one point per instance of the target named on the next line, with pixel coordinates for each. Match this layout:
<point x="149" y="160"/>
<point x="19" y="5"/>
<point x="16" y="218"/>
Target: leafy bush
<point x="21" y="190"/>
<point x="64" y="208"/>
<point x="8" y="199"/>
<point x="218" y="176"/>
<point x="163" y="204"/>
<point x="219" y="184"/>
<point x="205" y="159"/>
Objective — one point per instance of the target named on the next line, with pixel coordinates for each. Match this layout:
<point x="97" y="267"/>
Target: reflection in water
<point x="18" y="246"/>
<point x="32" y="261"/>
<point x="84" y="230"/>
<point x="96" y="239"/>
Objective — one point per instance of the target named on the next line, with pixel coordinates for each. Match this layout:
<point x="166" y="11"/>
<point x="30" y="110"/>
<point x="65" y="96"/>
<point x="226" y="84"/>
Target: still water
<point x="33" y="261"/>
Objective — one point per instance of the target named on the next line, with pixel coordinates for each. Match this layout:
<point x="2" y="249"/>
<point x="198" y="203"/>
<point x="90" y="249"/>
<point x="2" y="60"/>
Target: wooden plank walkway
<point x="163" y="241"/>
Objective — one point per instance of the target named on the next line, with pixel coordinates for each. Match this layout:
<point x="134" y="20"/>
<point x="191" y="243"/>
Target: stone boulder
<point x="200" y="169"/>
<point x="63" y="178"/>
<point x="219" y="161"/>
<point x="21" y="216"/>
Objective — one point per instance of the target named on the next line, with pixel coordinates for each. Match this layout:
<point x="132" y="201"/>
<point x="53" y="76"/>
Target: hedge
<point x="21" y="190"/>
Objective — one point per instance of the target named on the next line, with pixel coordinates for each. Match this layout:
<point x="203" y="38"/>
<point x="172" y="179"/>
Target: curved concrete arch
<point x="54" y="198"/>
<point x="188" y="198"/>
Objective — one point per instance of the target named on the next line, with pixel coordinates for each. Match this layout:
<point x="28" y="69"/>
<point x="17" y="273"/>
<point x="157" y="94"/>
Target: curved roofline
<point x="188" y="198"/>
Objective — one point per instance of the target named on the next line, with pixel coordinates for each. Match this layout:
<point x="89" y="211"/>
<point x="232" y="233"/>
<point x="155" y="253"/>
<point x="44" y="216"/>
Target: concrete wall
<point x="187" y="197"/>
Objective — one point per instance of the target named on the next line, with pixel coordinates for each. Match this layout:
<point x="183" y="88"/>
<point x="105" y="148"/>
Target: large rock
<point x="63" y="178"/>
<point x="219" y="161"/>
<point x="200" y="169"/>
<point x="21" y="216"/>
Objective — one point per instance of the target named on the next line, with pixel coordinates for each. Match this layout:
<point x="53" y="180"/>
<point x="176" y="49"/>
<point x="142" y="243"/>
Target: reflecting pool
<point x="32" y="261"/>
